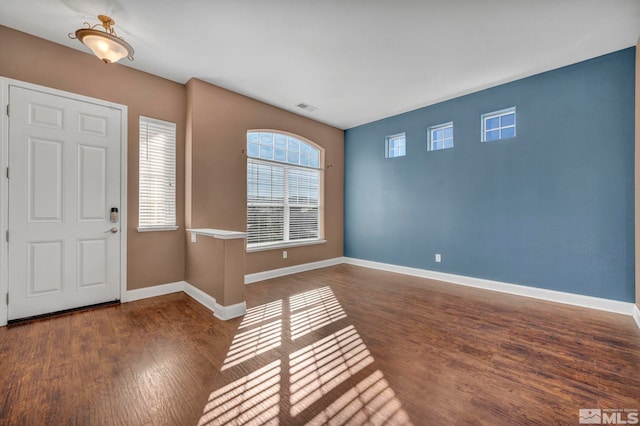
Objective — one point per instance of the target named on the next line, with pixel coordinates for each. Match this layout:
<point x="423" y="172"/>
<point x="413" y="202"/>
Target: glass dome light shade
<point x="108" y="48"/>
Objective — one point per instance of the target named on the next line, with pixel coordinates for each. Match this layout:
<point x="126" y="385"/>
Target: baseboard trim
<point x="200" y="296"/>
<point x="221" y="312"/>
<point x="608" y="305"/>
<point x="239" y="309"/>
<point x="153" y="291"/>
<point x="228" y="312"/>
<point x="275" y="273"/>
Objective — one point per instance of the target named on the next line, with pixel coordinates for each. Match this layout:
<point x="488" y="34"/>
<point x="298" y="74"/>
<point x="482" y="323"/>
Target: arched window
<point x="284" y="179"/>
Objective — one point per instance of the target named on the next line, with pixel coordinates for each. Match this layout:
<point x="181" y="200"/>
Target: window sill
<point x="159" y="228"/>
<point x="220" y="234"/>
<point x="498" y="140"/>
<point x="286" y="245"/>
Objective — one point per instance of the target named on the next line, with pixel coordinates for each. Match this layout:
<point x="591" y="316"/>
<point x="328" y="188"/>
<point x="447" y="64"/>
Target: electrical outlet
<point x="193" y="237"/>
<point x="438" y="258"/>
<point x="284" y="254"/>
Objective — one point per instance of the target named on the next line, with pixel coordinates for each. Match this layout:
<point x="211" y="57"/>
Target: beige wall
<point x="637" y="178"/>
<point x="213" y="156"/>
<point x="205" y="265"/>
<point x="217" y="125"/>
<point x="153" y="257"/>
<point x="216" y="266"/>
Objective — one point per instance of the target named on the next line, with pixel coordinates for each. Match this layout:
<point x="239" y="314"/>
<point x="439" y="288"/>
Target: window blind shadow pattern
<point x="298" y="361"/>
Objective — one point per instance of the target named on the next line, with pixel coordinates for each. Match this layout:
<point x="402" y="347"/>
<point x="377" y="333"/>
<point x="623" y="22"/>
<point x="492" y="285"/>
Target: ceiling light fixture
<point x="105" y="44"/>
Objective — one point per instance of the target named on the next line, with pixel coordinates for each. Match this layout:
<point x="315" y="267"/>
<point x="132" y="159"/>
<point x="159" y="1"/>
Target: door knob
<point x="112" y="230"/>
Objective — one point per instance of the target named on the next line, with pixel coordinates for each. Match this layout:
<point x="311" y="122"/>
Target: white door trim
<point x="4" y="183"/>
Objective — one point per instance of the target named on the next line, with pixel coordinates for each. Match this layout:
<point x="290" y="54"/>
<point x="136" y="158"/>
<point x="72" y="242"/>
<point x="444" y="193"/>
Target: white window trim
<point x="286" y="219"/>
<point x="169" y="126"/>
<point x="387" y="149"/>
<point x="432" y="129"/>
<point x="158" y="228"/>
<point x="286" y="148"/>
<point x="287" y="166"/>
<point x="494" y="114"/>
<point x="275" y="246"/>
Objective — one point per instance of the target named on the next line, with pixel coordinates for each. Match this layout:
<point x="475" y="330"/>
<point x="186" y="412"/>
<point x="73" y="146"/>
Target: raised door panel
<point x="92" y="125"/>
<point x="92" y="183"/>
<point x="92" y="263"/>
<point x="45" y="268"/>
<point x="44" y="175"/>
<point x="45" y="116"/>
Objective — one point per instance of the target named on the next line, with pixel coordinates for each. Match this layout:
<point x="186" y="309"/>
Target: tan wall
<point x="216" y="175"/>
<point x="205" y="265"/>
<point x="153" y="257"/>
<point x="234" y="267"/>
<point x="637" y="179"/>
<point x="216" y="266"/>
<point x="215" y="163"/>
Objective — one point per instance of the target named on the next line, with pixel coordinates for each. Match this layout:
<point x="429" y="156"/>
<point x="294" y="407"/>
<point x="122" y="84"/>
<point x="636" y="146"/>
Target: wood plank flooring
<point x="340" y="345"/>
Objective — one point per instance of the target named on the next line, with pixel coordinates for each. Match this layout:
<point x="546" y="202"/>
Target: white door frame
<point x="5" y="83"/>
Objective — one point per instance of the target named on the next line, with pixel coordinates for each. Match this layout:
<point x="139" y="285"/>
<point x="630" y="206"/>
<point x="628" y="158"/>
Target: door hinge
<point x="8" y="109"/>
<point x="7" y="235"/>
<point x="7" y="173"/>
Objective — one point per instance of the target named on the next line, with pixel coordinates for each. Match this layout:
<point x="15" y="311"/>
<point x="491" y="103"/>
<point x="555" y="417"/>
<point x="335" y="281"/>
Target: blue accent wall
<point x="551" y="208"/>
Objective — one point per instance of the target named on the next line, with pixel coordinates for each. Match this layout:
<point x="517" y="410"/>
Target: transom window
<point x="282" y="148"/>
<point x="440" y="137"/>
<point x="499" y="125"/>
<point x="283" y="190"/>
<point x="396" y="145"/>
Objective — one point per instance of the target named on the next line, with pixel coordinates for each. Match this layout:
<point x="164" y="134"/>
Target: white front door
<point x="64" y="178"/>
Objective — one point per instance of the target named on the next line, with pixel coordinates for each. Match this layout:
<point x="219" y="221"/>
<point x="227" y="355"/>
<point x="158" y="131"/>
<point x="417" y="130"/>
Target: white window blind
<point x="157" y="194"/>
<point x="283" y="199"/>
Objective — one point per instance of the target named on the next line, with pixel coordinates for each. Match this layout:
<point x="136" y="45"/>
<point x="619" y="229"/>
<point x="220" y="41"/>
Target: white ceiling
<point x="355" y="60"/>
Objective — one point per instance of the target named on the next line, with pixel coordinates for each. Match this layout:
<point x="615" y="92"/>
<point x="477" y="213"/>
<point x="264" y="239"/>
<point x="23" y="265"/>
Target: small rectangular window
<point x="396" y="145"/>
<point x="499" y="125"/>
<point x="440" y="137"/>
<point x="157" y="183"/>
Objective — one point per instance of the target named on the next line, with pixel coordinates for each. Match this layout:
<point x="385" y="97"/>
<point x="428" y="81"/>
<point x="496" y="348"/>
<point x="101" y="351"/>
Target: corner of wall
<point x="188" y="155"/>
<point x="637" y="178"/>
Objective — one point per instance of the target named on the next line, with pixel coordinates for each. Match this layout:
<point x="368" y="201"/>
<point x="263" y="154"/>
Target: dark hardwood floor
<point x="341" y="345"/>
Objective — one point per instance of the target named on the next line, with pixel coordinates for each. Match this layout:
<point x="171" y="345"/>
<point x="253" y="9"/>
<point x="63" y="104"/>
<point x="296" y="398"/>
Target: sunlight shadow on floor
<point x="370" y="402"/>
<point x="313" y="371"/>
<point x="250" y="343"/>
<point x="316" y="309"/>
<point x="261" y="313"/>
<point x="318" y="368"/>
<point x="253" y="399"/>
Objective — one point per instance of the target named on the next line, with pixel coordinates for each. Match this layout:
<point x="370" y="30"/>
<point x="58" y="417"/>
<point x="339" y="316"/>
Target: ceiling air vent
<point x="307" y="107"/>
